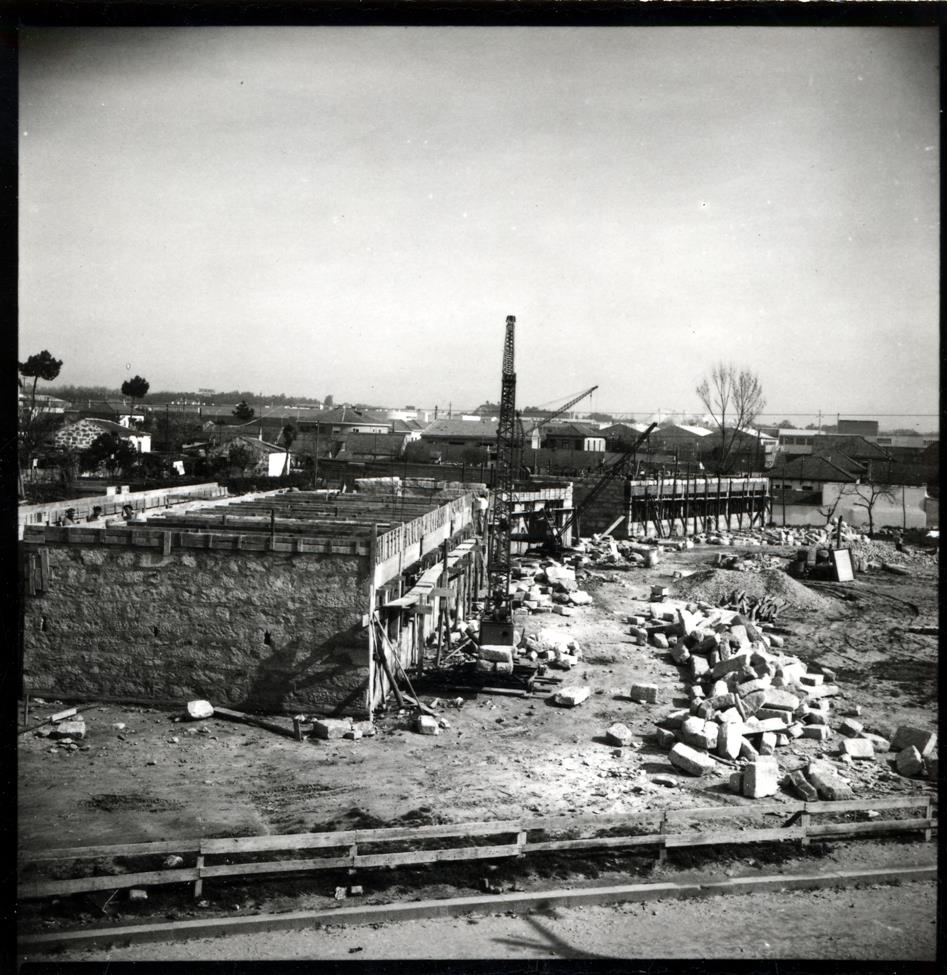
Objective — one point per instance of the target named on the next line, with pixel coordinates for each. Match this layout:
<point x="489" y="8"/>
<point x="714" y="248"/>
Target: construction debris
<point x="570" y="697"/>
<point x="198" y="710"/>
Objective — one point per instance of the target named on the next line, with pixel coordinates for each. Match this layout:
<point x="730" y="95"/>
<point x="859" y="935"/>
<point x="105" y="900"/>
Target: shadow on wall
<point x="330" y="679"/>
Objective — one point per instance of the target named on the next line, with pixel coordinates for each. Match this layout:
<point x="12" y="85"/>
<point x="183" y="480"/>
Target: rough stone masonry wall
<point x="125" y="623"/>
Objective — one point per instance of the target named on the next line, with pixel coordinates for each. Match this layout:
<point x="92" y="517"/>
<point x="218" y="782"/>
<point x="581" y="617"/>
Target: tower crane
<point x="497" y="625"/>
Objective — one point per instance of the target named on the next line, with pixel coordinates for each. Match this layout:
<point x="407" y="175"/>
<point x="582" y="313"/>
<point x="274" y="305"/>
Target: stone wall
<point x="266" y="630"/>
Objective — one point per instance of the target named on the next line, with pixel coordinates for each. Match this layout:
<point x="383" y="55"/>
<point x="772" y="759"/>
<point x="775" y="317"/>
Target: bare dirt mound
<point x="714" y="585"/>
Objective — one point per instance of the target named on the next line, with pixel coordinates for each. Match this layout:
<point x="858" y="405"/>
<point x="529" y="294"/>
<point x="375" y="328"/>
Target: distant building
<point x="572" y="436"/>
<point x="269" y="459"/>
<point x="461" y="433"/>
<point x="860" y="428"/>
<point x="372" y="446"/>
<point x="79" y="435"/>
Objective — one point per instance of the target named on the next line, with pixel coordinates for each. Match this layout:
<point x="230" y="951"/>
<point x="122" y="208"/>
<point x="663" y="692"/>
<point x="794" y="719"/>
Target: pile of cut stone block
<point x="748" y="698"/>
<point x="547" y="587"/>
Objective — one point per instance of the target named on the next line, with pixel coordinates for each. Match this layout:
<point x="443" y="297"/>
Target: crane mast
<point x="498" y="564"/>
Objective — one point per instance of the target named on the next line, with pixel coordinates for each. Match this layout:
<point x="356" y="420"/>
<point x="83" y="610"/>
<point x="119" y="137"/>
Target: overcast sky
<point x="356" y="211"/>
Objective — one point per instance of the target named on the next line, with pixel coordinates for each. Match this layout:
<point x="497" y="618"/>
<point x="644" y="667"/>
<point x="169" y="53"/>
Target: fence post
<point x="662" y="849"/>
<point x="928" y="815"/>
<point x="804" y="823"/>
<point x="199" y="883"/>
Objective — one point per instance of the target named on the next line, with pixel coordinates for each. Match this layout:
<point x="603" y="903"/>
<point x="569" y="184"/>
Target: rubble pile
<point x="714" y="585"/>
<point x="875" y="554"/>
<point x="749" y="700"/>
<point x="547" y="586"/>
<point x="787" y="537"/>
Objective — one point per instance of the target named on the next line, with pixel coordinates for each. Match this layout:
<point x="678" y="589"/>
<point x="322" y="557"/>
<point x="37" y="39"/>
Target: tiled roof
<point x="458" y="429"/>
<point x="570" y="430"/>
<point x="815" y="468"/>
<point x="346" y="414"/>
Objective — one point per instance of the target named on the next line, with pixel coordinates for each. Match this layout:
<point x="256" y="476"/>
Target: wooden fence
<point x="359" y="848"/>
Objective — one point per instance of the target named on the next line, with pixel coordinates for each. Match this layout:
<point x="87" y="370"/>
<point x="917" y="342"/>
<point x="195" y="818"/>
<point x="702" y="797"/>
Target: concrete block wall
<point x="120" y="622"/>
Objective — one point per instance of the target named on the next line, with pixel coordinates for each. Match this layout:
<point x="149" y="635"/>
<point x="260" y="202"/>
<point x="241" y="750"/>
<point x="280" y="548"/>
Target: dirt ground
<point x="838" y="924"/>
<point x="501" y="758"/>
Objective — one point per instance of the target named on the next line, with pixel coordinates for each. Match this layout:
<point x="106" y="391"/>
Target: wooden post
<point x="662" y="849"/>
<point x="199" y="883"/>
<point x="804" y="823"/>
<point x="928" y="815"/>
<point x="372" y="556"/>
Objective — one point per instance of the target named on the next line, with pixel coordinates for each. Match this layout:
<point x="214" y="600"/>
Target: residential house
<point x="80" y="434"/>
<point x="372" y="446"/>
<point x="572" y="436"/>
<point x="620" y="436"/>
<point x="810" y="489"/>
<point x="268" y="459"/>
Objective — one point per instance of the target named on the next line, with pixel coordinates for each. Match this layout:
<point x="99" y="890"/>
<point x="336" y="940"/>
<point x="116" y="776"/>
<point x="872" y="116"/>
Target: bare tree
<point x="867" y="493"/>
<point x="733" y="398"/>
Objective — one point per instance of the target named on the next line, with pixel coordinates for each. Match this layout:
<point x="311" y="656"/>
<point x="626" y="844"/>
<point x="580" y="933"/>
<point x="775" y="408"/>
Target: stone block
<point x="580" y="598"/>
<point x="69" y="729"/>
<point x="777" y="699"/>
<point x="720" y="702"/>
<point x="675" y="718"/>
<point x="803" y="788"/>
<point x="501" y="667"/>
<point x="879" y="743"/>
<point x="329" y="728"/>
<point x="772" y="724"/>
<point x="858" y="748"/>
<point x="769" y="714"/>
<point x="729" y="740"/>
<point x="850" y="728"/>
<point x="739" y="633"/>
<point x="659" y="640"/>
<point x="496" y="654"/>
<point x="640" y="634"/>
<point x="705" y="710"/>
<point x="932" y="769"/>
<point x="761" y="778"/>
<point x="699" y="666"/>
<point x="760" y="684"/>
<point x="570" y="697"/>
<point x="815" y="716"/>
<point x="812" y="680"/>
<point x="664" y="737"/>
<point x="426" y="725"/>
<point x="752" y="702"/>
<point x="680" y="654"/>
<point x="827" y="782"/>
<point x="736" y="783"/>
<point x="909" y="762"/>
<point x="644" y="693"/>
<point x="794" y="730"/>
<point x="618" y="734"/>
<point x="730" y="716"/>
<point x="734" y="663"/>
<point x="748" y="751"/>
<point x="920" y="739"/>
<point x="197" y="710"/>
<point x="695" y="692"/>
<point x="691" y="761"/>
<point x="484" y="666"/>
<point x="719" y="687"/>
<point x="823" y="690"/>
<point x="820" y="732"/>
<point x="767" y="743"/>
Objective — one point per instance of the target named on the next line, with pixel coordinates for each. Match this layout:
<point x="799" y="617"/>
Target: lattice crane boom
<point x="498" y="564"/>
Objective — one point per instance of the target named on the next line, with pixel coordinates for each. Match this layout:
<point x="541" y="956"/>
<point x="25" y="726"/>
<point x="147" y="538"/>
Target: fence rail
<point x="796" y="827"/>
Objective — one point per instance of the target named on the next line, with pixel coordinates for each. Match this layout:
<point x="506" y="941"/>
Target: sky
<point x="355" y="211"/>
